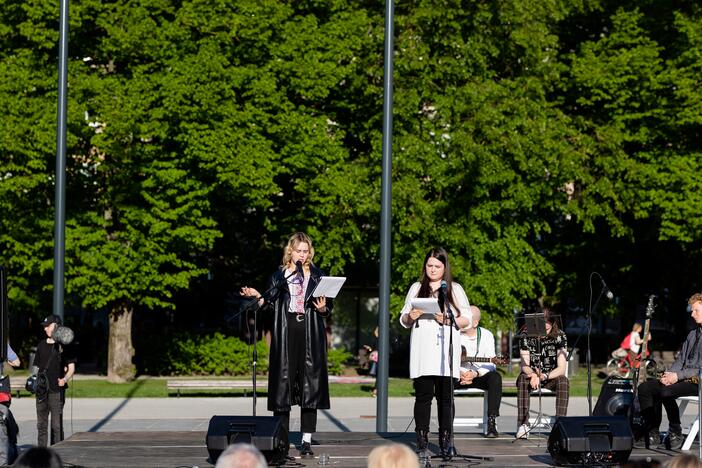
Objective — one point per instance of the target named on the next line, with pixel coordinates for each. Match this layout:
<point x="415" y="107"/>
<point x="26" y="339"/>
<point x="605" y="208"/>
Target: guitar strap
<point x="477" y="344"/>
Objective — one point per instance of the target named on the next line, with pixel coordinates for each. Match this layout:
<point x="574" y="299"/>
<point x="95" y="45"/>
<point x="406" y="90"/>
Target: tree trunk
<point x="120" y="350"/>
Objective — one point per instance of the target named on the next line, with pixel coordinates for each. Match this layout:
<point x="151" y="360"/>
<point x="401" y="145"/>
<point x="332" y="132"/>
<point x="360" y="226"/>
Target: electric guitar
<point x="641" y="376"/>
<point x="635" y="417"/>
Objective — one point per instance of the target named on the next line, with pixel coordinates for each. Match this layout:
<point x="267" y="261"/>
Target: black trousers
<point x="308" y="422"/>
<point x="51" y="405"/>
<point x="296" y="372"/>
<point x="492" y="384"/>
<point x="425" y="389"/>
<point x="653" y="395"/>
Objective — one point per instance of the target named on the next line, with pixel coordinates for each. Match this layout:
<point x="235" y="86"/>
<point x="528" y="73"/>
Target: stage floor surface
<point x="183" y="449"/>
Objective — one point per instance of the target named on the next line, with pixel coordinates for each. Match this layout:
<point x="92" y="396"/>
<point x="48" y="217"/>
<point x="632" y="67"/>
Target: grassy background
<point x="155" y="387"/>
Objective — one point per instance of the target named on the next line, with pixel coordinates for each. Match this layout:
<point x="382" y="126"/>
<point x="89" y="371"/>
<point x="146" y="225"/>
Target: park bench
<point x="209" y="384"/>
<point x="213" y="384"/>
<point x="17" y="385"/>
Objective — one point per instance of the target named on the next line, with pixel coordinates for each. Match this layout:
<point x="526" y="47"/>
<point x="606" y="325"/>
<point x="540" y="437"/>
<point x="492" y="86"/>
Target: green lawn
<point x="147" y="387"/>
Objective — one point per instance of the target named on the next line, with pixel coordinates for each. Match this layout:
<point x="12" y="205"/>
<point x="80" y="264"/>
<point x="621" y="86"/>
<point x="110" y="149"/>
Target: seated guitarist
<point x="680" y="380"/>
<point x="478" y="342"/>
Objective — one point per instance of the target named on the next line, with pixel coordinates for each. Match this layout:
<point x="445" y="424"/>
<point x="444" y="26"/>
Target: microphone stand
<point x="247" y="308"/>
<point x="451" y="454"/>
<point x="588" y="324"/>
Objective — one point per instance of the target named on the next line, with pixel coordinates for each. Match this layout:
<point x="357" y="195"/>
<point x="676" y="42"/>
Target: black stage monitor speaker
<point x="264" y="432"/>
<point x="616" y="397"/>
<point x="594" y="440"/>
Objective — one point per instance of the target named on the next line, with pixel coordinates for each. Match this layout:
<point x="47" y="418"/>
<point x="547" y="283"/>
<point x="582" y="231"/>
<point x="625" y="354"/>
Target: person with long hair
<point x="543" y="364"/>
<point x="429" y="347"/>
<point x="297" y="365"/>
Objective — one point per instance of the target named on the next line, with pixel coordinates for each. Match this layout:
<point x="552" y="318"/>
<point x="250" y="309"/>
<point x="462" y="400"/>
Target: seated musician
<point x="681" y="379"/>
<point x="479" y="342"/>
<point x="543" y="364"/>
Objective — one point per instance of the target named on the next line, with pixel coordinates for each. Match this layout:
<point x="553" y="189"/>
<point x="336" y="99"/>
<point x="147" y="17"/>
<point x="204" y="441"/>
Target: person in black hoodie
<point x="54" y="371"/>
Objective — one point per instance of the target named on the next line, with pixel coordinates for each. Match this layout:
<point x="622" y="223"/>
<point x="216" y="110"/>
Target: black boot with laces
<point x="492" y="428"/>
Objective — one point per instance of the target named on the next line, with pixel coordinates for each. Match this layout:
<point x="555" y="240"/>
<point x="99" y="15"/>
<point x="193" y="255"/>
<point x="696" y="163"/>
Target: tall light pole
<point x="60" y="194"/>
<point x="381" y="421"/>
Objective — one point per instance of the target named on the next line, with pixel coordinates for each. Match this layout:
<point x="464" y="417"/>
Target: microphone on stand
<point x="608" y="292"/>
<point x="444" y="295"/>
<point x="443" y="287"/>
<point x="298" y="267"/>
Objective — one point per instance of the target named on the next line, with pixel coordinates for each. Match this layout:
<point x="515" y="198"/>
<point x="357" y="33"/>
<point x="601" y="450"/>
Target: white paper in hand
<point x="329" y="286"/>
<point x="428" y="305"/>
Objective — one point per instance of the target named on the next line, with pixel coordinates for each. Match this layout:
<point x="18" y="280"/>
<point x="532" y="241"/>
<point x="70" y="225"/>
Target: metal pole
<point x="60" y="195"/>
<point x="381" y="422"/>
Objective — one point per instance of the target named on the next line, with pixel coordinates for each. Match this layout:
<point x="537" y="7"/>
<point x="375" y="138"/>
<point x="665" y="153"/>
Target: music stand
<point x="534" y="327"/>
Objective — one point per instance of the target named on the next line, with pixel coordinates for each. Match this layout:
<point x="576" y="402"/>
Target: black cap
<point x="51" y="319"/>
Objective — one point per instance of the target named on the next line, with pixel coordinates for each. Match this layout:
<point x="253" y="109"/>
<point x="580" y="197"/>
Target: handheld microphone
<point x="298" y="267"/>
<point x="63" y="335"/>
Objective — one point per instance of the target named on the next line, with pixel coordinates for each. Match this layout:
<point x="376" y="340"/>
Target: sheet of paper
<point x="329" y="286"/>
<point x="428" y="305"/>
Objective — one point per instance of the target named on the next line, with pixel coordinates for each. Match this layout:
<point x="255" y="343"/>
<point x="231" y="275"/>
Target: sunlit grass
<point x="151" y="387"/>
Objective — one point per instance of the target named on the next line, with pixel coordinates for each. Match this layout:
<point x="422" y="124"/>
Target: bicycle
<point x="623" y="367"/>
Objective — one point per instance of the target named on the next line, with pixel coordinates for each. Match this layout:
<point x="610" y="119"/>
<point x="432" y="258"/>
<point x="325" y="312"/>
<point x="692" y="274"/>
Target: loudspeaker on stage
<point x="264" y="432"/>
<point x="591" y="440"/>
<point x="616" y="397"/>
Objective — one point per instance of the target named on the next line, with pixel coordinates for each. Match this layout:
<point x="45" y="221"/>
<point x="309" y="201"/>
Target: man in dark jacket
<point x="297" y="365"/>
<point x="682" y="379"/>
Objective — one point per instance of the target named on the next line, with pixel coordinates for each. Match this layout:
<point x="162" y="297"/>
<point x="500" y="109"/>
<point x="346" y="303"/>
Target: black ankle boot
<point x="492" y="428"/>
<point x="422" y="441"/>
<point x="306" y="450"/>
<point x="448" y="451"/>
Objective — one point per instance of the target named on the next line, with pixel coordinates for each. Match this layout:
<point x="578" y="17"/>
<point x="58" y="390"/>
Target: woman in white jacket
<point x="430" y="368"/>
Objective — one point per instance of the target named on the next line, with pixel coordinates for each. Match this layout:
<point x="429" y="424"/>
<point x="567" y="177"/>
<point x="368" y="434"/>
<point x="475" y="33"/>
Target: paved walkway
<point x="193" y="414"/>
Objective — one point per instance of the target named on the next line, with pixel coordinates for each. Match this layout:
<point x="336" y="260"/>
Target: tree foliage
<point x="536" y="141"/>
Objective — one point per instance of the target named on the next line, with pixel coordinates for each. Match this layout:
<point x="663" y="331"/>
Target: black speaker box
<point x="616" y="397"/>
<point x="264" y="432"/>
<point x="594" y="440"/>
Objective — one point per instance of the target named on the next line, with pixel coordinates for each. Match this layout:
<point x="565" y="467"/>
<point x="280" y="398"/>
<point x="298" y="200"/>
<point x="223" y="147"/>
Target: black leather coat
<point x="315" y="386"/>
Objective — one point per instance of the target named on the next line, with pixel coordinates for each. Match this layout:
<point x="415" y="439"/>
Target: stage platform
<point x="187" y="449"/>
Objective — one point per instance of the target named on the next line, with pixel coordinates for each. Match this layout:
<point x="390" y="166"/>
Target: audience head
<point x="241" y="456"/>
<point x="39" y="457"/>
<point x="393" y="455"/>
<point x="684" y="460"/>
